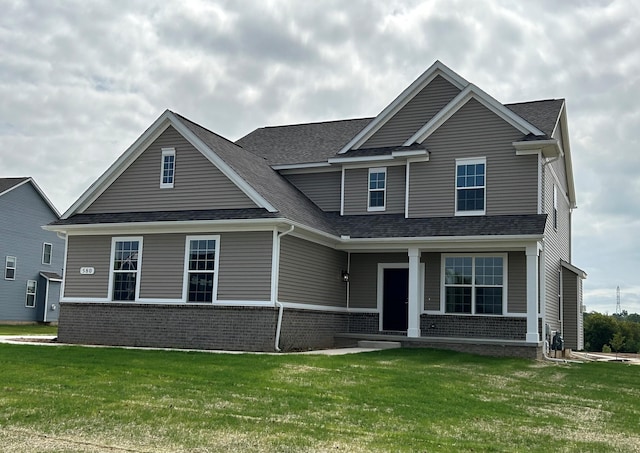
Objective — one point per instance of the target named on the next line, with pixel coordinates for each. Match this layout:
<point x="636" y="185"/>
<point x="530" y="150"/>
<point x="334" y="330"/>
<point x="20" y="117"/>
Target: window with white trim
<point x="201" y="268"/>
<point x="10" y="265"/>
<point x="168" y="170"/>
<point x="555" y="207"/>
<point x="32" y="286"/>
<point x="377" y="189"/>
<point x="47" y="251"/>
<point x="126" y="256"/>
<point x="474" y="284"/>
<point x="471" y="186"/>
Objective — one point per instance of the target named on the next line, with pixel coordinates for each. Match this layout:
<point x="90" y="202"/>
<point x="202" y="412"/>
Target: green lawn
<point x="28" y="329"/>
<point x="104" y="399"/>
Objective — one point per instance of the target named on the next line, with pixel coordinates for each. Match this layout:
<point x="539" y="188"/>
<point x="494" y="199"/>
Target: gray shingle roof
<point x="166" y="216"/>
<point x="302" y="143"/>
<point x="542" y="114"/>
<point x="396" y="226"/>
<point x="8" y="183"/>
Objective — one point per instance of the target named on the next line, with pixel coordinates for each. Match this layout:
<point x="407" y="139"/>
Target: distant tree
<point x="598" y="330"/>
<point x="617" y="342"/>
<point x="633" y="317"/>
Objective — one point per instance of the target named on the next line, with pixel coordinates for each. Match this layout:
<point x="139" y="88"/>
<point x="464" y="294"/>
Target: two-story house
<point x="443" y="221"/>
<point x="31" y="258"/>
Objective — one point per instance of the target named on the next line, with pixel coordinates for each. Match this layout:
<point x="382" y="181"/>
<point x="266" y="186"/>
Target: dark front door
<point x="395" y="297"/>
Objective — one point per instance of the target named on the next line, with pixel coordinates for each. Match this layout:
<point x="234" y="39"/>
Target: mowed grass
<point x="28" y="329"/>
<point x="108" y="399"/>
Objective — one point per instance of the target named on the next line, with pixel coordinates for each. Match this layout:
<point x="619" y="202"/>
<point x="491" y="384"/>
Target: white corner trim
<point x="436" y="69"/>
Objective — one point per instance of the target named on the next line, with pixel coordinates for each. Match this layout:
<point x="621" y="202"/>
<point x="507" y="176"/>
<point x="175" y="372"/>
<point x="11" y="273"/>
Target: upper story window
<point x="125" y="268"/>
<point x="32" y="285"/>
<point x="474" y="284"/>
<point x="200" y="268"/>
<point x="470" y="186"/>
<point x="47" y="251"/>
<point x="10" y="268"/>
<point x="555" y="207"/>
<point x="377" y="189"/>
<point x="168" y="171"/>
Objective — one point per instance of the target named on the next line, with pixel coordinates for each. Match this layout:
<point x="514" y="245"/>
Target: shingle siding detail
<point x="198" y="183"/>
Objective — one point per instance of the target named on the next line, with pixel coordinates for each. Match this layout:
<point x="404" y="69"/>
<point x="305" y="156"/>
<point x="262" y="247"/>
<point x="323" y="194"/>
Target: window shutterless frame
<point x="32" y="286"/>
<point x="167" y="168"/>
<point x="201" y="259"/>
<point x="10" y="265"/>
<point x="471" y="184"/>
<point x="47" y="251"/>
<point x="125" y="268"/>
<point x="377" y="189"/>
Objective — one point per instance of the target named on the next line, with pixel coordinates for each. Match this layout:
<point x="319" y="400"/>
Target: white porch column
<point x="532" y="293"/>
<point x="414" y="293"/>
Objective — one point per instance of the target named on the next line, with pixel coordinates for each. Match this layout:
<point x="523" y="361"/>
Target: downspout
<point x="276" y="302"/>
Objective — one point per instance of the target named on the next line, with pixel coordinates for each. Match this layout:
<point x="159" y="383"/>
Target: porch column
<point x="414" y="293"/>
<point x="532" y="293"/>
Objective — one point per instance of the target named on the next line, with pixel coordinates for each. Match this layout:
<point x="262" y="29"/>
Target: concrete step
<point x="379" y="344"/>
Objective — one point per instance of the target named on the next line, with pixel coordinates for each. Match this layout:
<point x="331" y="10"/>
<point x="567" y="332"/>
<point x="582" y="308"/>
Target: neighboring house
<point x="443" y="221"/>
<point x="31" y="257"/>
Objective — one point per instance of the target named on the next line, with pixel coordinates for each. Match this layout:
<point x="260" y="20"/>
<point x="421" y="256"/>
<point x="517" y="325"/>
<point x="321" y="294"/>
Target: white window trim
<point x="167" y="152"/>
<point x="185" y="277"/>
<point x="44" y="246"/>
<point x="34" y="294"/>
<point x="138" y="268"/>
<point x="384" y="191"/>
<point x="7" y="267"/>
<point x="505" y="282"/>
<point x="470" y="161"/>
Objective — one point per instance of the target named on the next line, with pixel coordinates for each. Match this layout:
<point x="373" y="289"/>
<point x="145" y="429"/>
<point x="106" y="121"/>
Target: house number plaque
<point x="87" y="270"/>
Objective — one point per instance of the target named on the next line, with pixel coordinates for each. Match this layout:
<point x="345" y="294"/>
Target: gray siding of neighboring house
<point x="88" y="251"/>
<point x="321" y="188"/>
<point x="517" y="283"/>
<point x="245" y="266"/>
<point x="557" y="246"/>
<point x="474" y="131"/>
<point x="198" y="183"/>
<point x="572" y="308"/>
<point x="415" y="114"/>
<point x="356" y="190"/>
<point x="22" y="213"/>
<point x="311" y="273"/>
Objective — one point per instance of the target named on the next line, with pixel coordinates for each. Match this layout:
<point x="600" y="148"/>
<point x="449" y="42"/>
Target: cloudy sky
<point x="80" y="81"/>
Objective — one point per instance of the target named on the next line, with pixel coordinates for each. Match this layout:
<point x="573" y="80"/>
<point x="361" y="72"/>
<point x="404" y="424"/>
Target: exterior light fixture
<point x="345" y="276"/>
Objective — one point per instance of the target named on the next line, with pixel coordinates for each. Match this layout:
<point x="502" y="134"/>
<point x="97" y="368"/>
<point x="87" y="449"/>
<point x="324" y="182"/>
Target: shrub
<point x="606" y="348"/>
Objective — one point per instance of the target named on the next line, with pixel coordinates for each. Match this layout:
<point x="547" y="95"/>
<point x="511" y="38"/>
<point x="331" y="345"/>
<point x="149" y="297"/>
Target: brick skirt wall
<point x="197" y="326"/>
<point x="491" y="327"/>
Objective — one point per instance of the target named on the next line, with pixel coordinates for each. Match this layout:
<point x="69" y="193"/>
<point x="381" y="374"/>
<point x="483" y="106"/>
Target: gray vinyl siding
<point x="356" y="191"/>
<point x="571" y="308"/>
<point x="321" y="188"/>
<point x="363" y="277"/>
<point x="311" y="273"/>
<point x="474" y="131"/>
<point x="198" y="184"/>
<point x="415" y="114"/>
<point x="432" y="280"/>
<point x="517" y="282"/>
<point x="22" y="213"/>
<point x="245" y="266"/>
<point x="88" y="251"/>
<point x="162" y="269"/>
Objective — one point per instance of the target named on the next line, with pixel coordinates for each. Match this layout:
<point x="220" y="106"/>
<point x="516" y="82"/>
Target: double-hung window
<point x="47" y="250"/>
<point x="10" y="268"/>
<point x="471" y="186"/>
<point x="201" y="268"/>
<point x="126" y="257"/>
<point x="168" y="170"/>
<point x="32" y="285"/>
<point x="377" y="189"/>
<point x="474" y="284"/>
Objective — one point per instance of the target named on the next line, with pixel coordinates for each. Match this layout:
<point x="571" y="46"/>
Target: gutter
<point x="276" y="302"/>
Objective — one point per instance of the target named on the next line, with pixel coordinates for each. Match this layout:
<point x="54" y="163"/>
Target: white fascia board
<point x="509" y="242"/>
<point x="185" y="226"/>
<point x="229" y="172"/>
<point x="346" y="160"/>
<point x="436" y="69"/>
<point x="549" y="148"/>
<point x="567" y="157"/>
<point x="301" y="166"/>
<point x="119" y="166"/>
<point x="410" y="153"/>
<point x="576" y="270"/>
<point x="472" y="92"/>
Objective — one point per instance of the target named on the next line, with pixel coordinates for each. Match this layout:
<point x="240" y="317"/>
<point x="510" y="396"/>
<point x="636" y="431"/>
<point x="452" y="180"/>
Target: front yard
<point x="108" y="399"/>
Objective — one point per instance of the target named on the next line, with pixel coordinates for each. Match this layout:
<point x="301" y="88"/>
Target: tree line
<point x="617" y="332"/>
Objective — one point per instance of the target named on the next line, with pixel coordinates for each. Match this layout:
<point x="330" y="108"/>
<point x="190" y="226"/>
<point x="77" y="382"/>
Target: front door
<point x="395" y="299"/>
